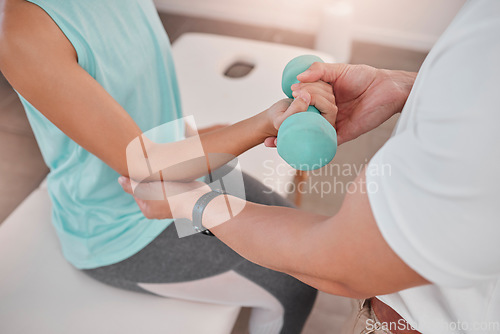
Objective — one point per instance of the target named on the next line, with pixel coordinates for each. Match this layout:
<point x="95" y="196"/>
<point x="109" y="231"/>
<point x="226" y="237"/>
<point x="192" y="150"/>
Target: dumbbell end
<point x="306" y="141"/>
<point x="293" y="69"/>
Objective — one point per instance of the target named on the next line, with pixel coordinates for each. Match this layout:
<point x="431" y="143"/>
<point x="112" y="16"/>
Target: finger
<point x="153" y="191"/>
<point x="126" y="185"/>
<point x="315" y="89"/>
<point x="326" y="106"/>
<point x="141" y="203"/>
<point x="322" y="71"/>
<point x="270" y="142"/>
<point x="143" y="190"/>
<point x="319" y="85"/>
<point x="328" y="110"/>
<point x="282" y="104"/>
<point x="300" y="104"/>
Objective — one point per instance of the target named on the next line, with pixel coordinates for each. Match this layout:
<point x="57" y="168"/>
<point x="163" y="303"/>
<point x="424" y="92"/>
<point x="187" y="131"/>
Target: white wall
<point x="414" y="24"/>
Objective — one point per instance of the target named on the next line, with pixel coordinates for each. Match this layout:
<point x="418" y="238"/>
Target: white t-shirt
<point x="434" y="187"/>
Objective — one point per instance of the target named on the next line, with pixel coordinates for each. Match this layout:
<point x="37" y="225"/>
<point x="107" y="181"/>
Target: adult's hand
<point x="365" y="96"/>
<point x="318" y="94"/>
<point x="164" y="200"/>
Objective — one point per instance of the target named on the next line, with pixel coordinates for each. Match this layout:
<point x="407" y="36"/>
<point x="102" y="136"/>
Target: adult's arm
<point x="344" y="255"/>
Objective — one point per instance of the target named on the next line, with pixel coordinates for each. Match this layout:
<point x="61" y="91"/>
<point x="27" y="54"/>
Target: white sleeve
<point x="434" y="187"/>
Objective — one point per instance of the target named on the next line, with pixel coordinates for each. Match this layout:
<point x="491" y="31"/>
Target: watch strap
<point x="199" y="208"/>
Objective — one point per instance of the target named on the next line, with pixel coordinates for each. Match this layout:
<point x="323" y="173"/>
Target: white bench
<point x="41" y="293"/>
<point x="211" y="97"/>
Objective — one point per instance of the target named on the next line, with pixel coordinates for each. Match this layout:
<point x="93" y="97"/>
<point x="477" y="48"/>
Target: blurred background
<point x="391" y="34"/>
<point x="408" y="24"/>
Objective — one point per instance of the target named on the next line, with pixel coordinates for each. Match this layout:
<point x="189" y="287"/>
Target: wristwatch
<point x="199" y="208"/>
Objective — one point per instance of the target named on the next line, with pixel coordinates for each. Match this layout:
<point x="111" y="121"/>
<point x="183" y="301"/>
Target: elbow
<point x="334" y="276"/>
<point x="177" y="161"/>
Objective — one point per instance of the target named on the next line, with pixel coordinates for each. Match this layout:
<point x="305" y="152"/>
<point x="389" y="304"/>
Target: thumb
<point x="300" y="104"/>
<point x="270" y="142"/>
<point x="322" y="71"/>
<point x="126" y="184"/>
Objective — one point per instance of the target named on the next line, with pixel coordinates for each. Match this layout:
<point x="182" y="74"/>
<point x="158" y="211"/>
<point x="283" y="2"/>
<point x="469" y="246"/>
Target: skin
<point x="365" y="97"/>
<point x="41" y="64"/>
<point x="359" y="262"/>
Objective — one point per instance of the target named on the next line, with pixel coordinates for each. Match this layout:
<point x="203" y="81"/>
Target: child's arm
<point x="41" y="64"/>
<point x="192" y="132"/>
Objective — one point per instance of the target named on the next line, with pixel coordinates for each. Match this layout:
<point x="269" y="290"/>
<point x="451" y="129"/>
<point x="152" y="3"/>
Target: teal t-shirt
<point x="122" y="44"/>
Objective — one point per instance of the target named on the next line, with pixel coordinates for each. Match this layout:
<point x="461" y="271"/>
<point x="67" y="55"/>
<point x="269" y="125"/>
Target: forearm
<point x="282" y="239"/>
<point x="274" y="237"/>
<point x="345" y="254"/>
<point x="238" y="138"/>
<point x="196" y="156"/>
<point x="61" y="88"/>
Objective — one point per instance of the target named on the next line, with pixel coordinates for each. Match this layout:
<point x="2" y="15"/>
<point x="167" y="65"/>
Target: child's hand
<point x="318" y="94"/>
<point x="164" y="200"/>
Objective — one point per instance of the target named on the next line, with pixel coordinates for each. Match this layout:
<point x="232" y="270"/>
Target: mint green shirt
<point x="122" y="44"/>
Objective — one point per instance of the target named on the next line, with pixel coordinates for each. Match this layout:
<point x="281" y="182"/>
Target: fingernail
<point x="295" y="94"/>
<point x="121" y="180"/>
<point x="295" y="86"/>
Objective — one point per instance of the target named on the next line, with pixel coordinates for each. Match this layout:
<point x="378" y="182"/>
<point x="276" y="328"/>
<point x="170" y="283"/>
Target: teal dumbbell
<point x="306" y="140"/>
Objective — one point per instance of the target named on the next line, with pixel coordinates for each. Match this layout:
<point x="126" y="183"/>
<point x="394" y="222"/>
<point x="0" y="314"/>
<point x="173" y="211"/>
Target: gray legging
<point x="202" y="268"/>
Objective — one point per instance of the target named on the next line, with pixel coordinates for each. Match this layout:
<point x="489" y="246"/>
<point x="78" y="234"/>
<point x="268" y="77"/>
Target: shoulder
<point x="27" y="32"/>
